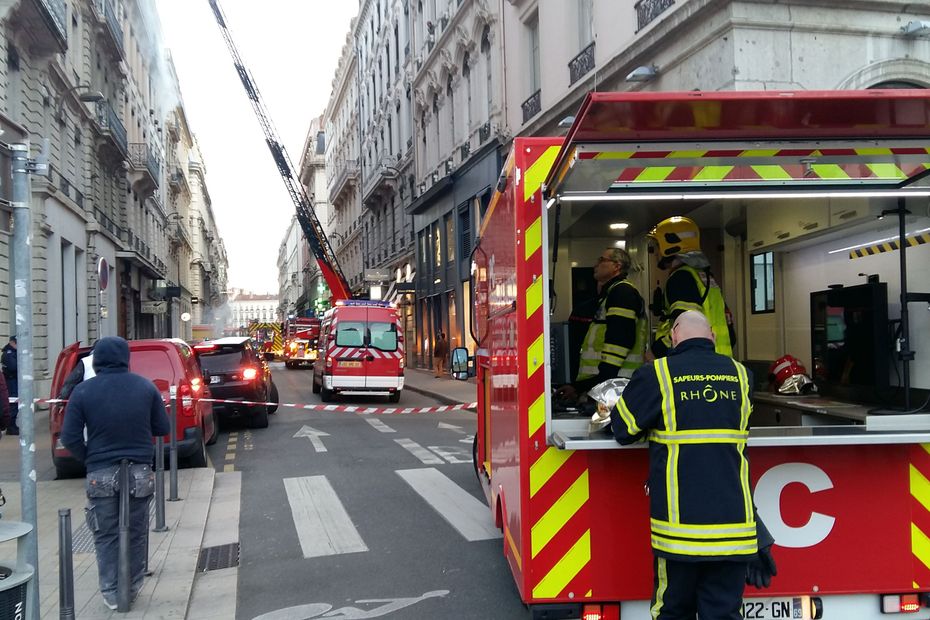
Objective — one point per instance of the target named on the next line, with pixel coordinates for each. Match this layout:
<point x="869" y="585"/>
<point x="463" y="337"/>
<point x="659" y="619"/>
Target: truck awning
<point x="625" y="145"/>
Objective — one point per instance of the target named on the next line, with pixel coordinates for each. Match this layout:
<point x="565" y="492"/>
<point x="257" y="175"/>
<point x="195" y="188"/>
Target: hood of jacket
<point x="111" y="354"/>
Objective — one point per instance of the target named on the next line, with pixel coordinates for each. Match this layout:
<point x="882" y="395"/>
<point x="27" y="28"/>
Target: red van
<point x="165" y="362"/>
<point x="361" y="351"/>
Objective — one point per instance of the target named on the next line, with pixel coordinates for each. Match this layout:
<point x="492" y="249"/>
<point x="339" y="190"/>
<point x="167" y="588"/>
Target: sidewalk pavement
<point x="445" y="389"/>
<point x="173" y="554"/>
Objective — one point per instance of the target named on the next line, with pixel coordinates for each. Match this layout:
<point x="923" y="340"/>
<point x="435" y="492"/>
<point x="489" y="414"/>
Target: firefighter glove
<point x="761" y="568"/>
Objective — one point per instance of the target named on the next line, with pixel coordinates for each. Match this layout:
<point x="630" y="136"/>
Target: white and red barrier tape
<point x="310" y="407"/>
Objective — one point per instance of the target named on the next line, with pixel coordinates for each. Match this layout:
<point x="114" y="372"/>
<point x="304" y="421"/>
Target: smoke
<point x="165" y="87"/>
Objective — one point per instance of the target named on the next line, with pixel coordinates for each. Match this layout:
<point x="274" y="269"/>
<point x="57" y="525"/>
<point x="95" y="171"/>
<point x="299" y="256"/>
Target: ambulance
<point x="813" y="213"/>
<point x="361" y="351"/>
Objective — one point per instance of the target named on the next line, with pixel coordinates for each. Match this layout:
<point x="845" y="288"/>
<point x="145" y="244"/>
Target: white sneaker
<point x="110" y="605"/>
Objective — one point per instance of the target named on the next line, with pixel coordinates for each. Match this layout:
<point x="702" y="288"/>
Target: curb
<point x="445" y="400"/>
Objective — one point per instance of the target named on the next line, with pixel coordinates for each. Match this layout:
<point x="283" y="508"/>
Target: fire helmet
<point x="676" y="235"/>
<point x="784" y="368"/>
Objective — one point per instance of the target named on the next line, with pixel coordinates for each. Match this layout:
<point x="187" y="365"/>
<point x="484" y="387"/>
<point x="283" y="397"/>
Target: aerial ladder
<point x="306" y="217"/>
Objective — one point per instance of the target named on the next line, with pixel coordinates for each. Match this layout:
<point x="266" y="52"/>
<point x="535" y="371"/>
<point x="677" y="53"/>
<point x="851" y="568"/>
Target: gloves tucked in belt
<point x="761" y="568"/>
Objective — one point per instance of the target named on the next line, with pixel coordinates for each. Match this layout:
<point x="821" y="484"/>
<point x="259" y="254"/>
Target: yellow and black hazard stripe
<point x="889" y="246"/>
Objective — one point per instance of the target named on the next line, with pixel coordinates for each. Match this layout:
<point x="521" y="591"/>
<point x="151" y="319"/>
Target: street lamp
<point x="91" y="96"/>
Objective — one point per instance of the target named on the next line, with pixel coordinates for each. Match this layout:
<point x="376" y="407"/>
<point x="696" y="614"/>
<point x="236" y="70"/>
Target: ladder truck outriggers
<point x="813" y="209"/>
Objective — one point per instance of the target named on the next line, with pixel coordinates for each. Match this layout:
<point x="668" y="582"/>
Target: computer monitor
<point x="850" y="344"/>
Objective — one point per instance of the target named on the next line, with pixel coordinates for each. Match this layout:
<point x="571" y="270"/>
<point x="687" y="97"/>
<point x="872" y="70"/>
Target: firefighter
<point x="614" y="343"/>
<point x="693" y="407"/>
<point x="690" y="284"/>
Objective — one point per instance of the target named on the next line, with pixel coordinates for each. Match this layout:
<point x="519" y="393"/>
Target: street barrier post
<point x="124" y="577"/>
<point x="173" y="449"/>
<point x="160" y="485"/>
<point x="65" y="566"/>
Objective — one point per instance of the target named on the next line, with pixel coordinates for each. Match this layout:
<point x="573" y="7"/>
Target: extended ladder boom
<point x="306" y="216"/>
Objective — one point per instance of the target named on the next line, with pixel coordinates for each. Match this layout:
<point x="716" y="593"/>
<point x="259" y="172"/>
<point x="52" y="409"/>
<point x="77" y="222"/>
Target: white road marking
<point x="384" y="607"/>
<point x="379" y="425"/>
<point x="420" y="452"/>
<point x="314" y="436"/>
<point x="451" y="427"/>
<point x="322" y="523"/>
<point x="453" y="454"/>
<point x="469" y="439"/>
<point x="459" y="508"/>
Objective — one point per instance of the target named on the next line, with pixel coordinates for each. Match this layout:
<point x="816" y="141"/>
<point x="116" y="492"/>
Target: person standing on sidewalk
<point x="9" y="362"/>
<point x="122" y="412"/>
<point x="440" y="353"/>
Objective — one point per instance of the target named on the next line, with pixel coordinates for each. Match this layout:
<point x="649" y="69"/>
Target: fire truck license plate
<point x="215" y="379"/>
<point x="774" y="608"/>
<point x="350" y="364"/>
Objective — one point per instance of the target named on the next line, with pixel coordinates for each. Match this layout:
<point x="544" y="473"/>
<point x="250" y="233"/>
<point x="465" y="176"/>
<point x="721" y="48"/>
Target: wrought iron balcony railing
<point x="144" y="158"/>
<point x="56" y="12"/>
<point x="484" y="132"/>
<point x="532" y="106"/>
<point x="109" y="122"/>
<point x="106" y="10"/>
<point x="581" y="64"/>
<point x="648" y="10"/>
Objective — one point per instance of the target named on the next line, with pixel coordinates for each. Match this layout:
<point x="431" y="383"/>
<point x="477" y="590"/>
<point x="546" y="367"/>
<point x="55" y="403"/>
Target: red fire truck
<point x="301" y="339"/>
<point x="809" y="205"/>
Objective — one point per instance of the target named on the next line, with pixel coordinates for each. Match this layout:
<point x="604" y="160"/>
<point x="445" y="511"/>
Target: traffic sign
<point x="103" y="273"/>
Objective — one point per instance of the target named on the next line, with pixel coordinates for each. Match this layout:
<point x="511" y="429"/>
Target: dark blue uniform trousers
<point x="713" y="590"/>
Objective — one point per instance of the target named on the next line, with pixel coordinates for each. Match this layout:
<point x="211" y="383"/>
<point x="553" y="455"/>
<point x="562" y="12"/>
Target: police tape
<point x="306" y="406"/>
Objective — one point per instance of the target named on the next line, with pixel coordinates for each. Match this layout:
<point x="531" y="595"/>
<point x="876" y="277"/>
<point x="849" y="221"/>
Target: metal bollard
<point x="65" y="566"/>
<point x="160" y="485"/>
<point x="173" y="447"/>
<point x="123" y="575"/>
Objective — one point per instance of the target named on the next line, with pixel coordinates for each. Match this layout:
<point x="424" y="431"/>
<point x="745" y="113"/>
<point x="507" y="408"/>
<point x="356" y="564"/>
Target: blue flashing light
<point x="366" y="303"/>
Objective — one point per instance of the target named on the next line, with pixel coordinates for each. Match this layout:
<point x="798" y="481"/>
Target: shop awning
<point x="625" y="144"/>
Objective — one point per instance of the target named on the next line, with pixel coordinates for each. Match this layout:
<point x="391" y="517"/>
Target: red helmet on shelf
<point x="785" y="368"/>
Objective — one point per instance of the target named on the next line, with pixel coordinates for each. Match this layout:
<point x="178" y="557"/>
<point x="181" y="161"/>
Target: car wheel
<point x="314" y="386"/>
<point x="260" y="417"/>
<point x="198" y="458"/>
<point x="216" y="430"/>
<point x="289" y="365"/>
<point x="395" y="397"/>
<point x="274" y="398"/>
<point x="326" y="395"/>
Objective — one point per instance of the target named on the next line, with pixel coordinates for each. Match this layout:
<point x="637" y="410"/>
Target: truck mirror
<point x="460" y="363"/>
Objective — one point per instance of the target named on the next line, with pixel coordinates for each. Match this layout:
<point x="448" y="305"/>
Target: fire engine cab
<point x="813" y="212"/>
<point x="361" y="351"/>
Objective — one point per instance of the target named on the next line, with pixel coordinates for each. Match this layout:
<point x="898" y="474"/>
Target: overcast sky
<point x="292" y="48"/>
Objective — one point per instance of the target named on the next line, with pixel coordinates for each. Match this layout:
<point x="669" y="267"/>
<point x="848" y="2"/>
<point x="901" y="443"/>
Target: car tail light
<point x="900" y="603"/>
<point x="185" y="399"/>
<point x="205" y="348"/>
<point x="249" y="373"/>
<point x="196" y="386"/>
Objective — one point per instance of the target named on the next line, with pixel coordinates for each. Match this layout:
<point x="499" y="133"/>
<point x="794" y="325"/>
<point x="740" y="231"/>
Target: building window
<point x="763" y="282"/>
<point x="450" y="237"/>
<point x="465" y="231"/>
<point x="437" y="250"/>
<point x="533" y="49"/>
<point x="585" y="23"/>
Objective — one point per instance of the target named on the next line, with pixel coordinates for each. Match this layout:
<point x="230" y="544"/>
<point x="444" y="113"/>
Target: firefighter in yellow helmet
<point x="616" y="338"/>
<point x="690" y="284"/>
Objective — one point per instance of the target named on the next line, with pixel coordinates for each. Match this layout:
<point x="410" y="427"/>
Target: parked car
<point x="361" y="351"/>
<point x="238" y="372"/>
<point x="166" y="362"/>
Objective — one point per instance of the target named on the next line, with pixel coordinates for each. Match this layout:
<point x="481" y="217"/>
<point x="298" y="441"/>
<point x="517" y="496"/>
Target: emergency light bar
<point x="366" y="302"/>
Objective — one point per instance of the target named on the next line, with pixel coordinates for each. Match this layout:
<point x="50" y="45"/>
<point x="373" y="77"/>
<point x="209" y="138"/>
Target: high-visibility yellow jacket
<point x="693" y="407"/>
<point x="616" y="338"/>
<point x="688" y="288"/>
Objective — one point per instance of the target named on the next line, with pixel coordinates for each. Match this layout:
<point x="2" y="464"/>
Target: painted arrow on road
<point x="451" y="427"/>
<point x="314" y="436"/>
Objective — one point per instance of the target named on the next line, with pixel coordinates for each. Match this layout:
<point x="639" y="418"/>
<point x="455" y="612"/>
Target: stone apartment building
<point x="313" y="292"/>
<point x="91" y="78"/>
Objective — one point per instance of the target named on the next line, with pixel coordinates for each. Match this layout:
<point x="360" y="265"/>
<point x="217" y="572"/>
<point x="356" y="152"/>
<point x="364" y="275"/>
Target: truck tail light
<point x="329" y="361"/>
<point x="591" y="612"/>
<point x="900" y="603"/>
<point x="249" y="374"/>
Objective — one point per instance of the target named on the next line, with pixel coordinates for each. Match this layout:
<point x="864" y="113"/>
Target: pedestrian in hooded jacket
<point x="122" y="412"/>
<point x="9" y="363"/>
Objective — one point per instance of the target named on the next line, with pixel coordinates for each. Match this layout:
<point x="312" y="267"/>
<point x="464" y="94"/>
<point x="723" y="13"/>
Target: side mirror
<point x="460" y="363"/>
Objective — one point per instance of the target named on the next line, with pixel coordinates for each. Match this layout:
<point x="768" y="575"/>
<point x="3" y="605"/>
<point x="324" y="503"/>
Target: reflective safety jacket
<point x="616" y="338"/>
<point x="693" y="407"/>
<point x="688" y="288"/>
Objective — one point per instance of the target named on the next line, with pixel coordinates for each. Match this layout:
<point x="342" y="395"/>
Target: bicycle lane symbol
<point x="324" y="610"/>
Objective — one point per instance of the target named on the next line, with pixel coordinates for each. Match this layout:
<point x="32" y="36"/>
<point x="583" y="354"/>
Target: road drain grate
<point x="221" y="556"/>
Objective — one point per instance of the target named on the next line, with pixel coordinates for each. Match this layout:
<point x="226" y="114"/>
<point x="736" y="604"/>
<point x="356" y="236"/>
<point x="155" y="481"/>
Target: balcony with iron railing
<point x="112" y="127"/>
<point x="60" y="184"/>
<point x="108" y="19"/>
<point x="146" y="165"/>
<point x="484" y="133"/>
<point x="532" y="106"/>
<point x="648" y="10"/>
<point x="581" y="65"/>
<point x="45" y="22"/>
<point x="107" y="223"/>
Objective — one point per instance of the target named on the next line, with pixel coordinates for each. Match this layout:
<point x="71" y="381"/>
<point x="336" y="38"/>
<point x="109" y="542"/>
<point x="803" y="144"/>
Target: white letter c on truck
<point x="768" y="500"/>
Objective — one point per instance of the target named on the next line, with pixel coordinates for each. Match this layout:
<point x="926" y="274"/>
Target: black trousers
<point x="712" y="590"/>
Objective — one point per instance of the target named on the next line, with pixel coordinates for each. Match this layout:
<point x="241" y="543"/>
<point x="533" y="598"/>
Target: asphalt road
<point x="364" y="516"/>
